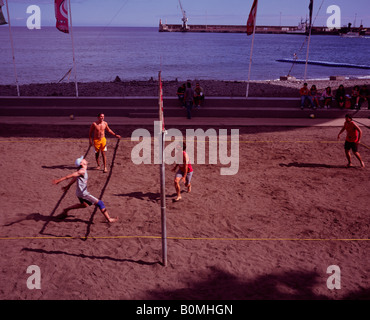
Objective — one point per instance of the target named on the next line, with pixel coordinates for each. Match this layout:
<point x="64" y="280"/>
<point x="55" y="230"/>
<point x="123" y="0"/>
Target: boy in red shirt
<point x="184" y="172"/>
<point x="354" y="134"/>
<point x="304" y="92"/>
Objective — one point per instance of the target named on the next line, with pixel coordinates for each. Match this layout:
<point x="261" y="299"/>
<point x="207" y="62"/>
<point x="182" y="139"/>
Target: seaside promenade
<point x="226" y="111"/>
<point x="177" y="121"/>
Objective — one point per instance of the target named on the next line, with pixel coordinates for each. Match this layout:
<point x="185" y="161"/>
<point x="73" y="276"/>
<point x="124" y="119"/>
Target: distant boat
<point x="301" y="29"/>
<point x="352" y="34"/>
<point x="348" y="32"/>
<point x="326" y="63"/>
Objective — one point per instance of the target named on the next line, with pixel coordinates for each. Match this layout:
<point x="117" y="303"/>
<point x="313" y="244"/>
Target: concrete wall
<point x="147" y="107"/>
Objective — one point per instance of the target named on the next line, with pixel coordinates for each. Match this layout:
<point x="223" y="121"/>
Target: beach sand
<point x="269" y="232"/>
<point x="274" y="88"/>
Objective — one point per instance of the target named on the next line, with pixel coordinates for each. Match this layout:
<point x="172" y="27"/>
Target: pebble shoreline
<point x="273" y="88"/>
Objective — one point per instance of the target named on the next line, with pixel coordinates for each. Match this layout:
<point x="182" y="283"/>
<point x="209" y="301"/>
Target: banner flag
<point x="251" y="29"/>
<point x="310" y="7"/>
<point x="2" y="19"/>
<point x="61" y="15"/>
<point x="252" y="18"/>
<point x="161" y="117"/>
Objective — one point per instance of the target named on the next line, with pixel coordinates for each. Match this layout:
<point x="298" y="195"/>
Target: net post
<point x="163" y="205"/>
<point x="162" y="174"/>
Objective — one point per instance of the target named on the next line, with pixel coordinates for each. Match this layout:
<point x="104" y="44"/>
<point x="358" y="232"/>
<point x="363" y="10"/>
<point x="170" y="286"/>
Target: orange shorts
<point x="100" y="145"/>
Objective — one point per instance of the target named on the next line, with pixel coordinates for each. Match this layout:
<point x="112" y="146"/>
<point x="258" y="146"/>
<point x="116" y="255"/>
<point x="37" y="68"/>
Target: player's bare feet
<point x="189" y="188"/>
<point x="105" y="170"/>
<point x="97" y="168"/>
<point x="113" y="220"/>
<point x="362" y="164"/>
<point x="177" y="199"/>
<point x="349" y="165"/>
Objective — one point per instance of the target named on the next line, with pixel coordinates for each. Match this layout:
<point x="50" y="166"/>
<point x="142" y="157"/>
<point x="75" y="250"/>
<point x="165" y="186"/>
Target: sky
<point x="147" y="13"/>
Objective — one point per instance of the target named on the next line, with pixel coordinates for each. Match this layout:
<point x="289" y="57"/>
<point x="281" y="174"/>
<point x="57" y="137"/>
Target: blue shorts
<point x="180" y="174"/>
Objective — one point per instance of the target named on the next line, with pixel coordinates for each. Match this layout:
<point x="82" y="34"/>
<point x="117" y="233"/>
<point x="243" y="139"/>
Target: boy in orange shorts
<point x="97" y="132"/>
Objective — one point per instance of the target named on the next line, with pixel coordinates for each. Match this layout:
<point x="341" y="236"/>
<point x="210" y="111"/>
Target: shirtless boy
<point x="184" y="173"/>
<point x="85" y="198"/>
<point x="97" y="132"/>
<point x="354" y="134"/>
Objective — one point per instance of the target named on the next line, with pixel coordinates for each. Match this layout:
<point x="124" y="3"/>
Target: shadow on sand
<point x="39" y="217"/>
<point x="221" y="285"/>
<point x="84" y="256"/>
<point x="148" y="196"/>
<point x="312" y="165"/>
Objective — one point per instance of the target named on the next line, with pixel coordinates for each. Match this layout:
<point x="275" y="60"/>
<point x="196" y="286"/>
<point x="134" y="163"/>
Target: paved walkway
<point x="237" y="122"/>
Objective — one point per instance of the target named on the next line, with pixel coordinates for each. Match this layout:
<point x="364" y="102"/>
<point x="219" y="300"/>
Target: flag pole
<point x="162" y="174"/>
<point x="309" y="37"/>
<point x="73" y="48"/>
<point x="163" y="205"/>
<point x="13" y="55"/>
<point x="308" y="48"/>
<point x="250" y="61"/>
<point x="250" y="57"/>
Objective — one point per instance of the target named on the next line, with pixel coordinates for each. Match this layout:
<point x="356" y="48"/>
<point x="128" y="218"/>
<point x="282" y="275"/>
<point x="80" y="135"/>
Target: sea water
<point x="101" y="54"/>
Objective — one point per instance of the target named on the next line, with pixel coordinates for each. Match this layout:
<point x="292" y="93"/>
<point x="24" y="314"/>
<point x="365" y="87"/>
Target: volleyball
<point x="312" y="116"/>
<point x="71" y="117"/>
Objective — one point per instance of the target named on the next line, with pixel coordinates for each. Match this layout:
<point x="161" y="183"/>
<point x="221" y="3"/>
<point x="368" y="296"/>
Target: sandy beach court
<point x="269" y="232"/>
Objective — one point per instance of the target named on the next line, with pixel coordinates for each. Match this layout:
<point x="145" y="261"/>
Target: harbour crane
<point x="184" y="18"/>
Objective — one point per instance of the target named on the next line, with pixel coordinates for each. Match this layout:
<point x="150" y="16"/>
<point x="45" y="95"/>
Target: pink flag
<point x="61" y="15"/>
<point x="161" y="117"/>
<point x="252" y="18"/>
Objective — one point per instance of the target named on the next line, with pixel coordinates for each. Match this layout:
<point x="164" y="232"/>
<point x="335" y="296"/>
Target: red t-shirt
<point x="190" y="168"/>
<point x="352" y="132"/>
<point x="304" y="91"/>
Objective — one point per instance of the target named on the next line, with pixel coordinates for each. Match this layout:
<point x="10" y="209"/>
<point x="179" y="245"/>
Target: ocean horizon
<point x="139" y="53"/>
